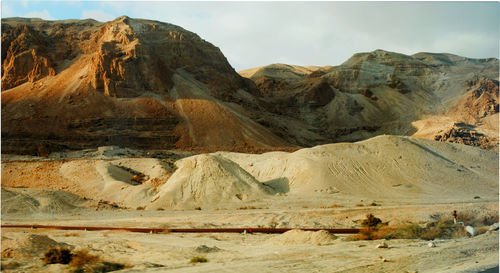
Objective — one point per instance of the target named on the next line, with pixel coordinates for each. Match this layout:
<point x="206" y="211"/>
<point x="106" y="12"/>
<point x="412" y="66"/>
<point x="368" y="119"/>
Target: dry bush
<point x="198" y="259"/>
<point x="371" y="221"/>
<point x="439" y="228"/>
<point x="80" y="261"/>
<point x="360" y="205"/>
<point x="140" y="208"/>
<point x="478" y="219"/>
<point x="57" y="255"/>
<point x="336" y="206"/>
<point x="443" y="229"/>
<point x="82" y="258"/>
<point x="408" y="231"/>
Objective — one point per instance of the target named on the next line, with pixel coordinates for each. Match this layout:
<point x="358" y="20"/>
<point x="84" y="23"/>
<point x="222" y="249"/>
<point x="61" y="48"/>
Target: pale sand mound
<point x="384" y="167"/>
<point x="106" y="180"/>
<point x="297" y="236"/>
<point x="207" y="180"/>
<point x="28" y="201"/>
<point x="28" y="246"/>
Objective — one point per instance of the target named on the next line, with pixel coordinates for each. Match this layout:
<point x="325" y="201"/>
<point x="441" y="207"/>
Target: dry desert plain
<point x="400" y="180"/>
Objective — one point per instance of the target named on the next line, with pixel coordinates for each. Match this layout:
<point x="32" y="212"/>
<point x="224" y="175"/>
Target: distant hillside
<point x="145" y="84"/>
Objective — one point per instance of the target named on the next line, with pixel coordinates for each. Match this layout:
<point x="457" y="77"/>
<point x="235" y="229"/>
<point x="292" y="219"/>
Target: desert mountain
<point x="129" y="82"/>
<point x="437" y="96"/>
<point x="150" y="85"/>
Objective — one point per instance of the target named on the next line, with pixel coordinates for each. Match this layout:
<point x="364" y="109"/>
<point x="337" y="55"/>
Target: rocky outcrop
<point x="480" y="101"/>
<point x="145" y="84"/>
<point x="377" y="93"/>
<point x="24" y="56"/>
<point x="128" y="82"/>
<point x="464" y="134"/>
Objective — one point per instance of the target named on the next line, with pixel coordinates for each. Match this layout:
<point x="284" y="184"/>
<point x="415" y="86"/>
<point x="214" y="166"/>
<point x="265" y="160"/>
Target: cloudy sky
<point x="303" y="33"/>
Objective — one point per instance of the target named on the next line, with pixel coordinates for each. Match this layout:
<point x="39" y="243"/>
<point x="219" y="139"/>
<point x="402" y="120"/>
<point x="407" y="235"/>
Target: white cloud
<point x="253" y="34"/>
<point x="44" y="14"/>
<point x="7" y="10"/>
<point x="97" y="15"/>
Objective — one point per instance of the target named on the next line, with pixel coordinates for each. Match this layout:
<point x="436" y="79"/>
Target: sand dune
<point x="383" y="168"/>
<point x="208" y="180"/>
<point x="386" y="167"/>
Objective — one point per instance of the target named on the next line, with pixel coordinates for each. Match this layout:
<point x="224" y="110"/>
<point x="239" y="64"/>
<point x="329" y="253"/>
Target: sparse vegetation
<point x="81" y="261"/>
<point x="57" y="255"/>
<point x="371" y="221"/>
<point x="198" y="259"/>
<point x="82" y="258"/>
<point x="437" y="228"/>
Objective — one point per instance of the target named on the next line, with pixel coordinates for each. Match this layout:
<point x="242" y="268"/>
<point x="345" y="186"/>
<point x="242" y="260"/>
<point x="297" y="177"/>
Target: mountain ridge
<point x="79" y="84"/>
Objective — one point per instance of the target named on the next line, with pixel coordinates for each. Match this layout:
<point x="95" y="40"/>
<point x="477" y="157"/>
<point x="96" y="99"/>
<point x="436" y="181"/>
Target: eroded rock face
<point x="24" y="56"/>
<point x="376" y="93"/>
<point x="145" y="84"/>
<point x="460" y="133"/>
<point x="137" y="83"/>
<point x="480" y="101"/>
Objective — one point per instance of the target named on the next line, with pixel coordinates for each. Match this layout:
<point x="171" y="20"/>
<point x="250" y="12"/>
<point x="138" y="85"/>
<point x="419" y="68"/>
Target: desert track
<point x="188" y="230"/>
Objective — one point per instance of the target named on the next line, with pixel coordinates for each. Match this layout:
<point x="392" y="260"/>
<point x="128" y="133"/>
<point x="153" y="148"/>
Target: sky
<point x="252" y="34"/>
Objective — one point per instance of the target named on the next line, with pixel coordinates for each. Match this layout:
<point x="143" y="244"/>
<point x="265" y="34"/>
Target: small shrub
<point x="336" y="206"/>
<point x="197" y="208"/>
<point x="82" y="258"/>
<point x="140" y="208"/>
<point x="198" y="259"/>
<point x="373" y="204"/>
<point x="439" y="229"/>
<point x="409" y="231"/>
<point x="57" y="255"/>
<point x="360" y="205"/>
<point x="371" y="221"/>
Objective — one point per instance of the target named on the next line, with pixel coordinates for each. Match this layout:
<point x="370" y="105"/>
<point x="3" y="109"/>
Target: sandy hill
<point x="384" y="168"/>
<point x="144" y="84"/>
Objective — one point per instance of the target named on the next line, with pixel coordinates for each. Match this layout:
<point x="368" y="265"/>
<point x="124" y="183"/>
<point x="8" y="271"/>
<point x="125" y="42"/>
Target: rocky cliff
<point x="145" y="84"/>
<point x="382" y="92"/>
<point x="129" y="82"/>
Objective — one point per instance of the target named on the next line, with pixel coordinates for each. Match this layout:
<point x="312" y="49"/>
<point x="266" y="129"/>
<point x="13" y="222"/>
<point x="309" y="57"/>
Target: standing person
<point x="455" y="216"/>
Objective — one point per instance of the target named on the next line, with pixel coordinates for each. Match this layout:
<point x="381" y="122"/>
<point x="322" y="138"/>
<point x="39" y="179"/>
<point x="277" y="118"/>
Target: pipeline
<point x="188" y="230"/>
